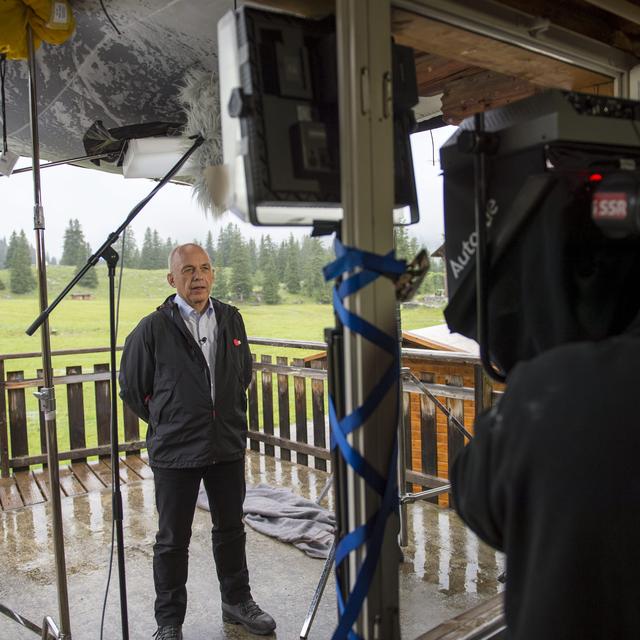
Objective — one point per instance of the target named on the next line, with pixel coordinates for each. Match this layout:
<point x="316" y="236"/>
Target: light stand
<point x="110" y="256"/>
<point x="46" y="395"/>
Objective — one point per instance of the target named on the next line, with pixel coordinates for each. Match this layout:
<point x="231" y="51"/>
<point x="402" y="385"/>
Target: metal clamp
<point x="47" y="399"/>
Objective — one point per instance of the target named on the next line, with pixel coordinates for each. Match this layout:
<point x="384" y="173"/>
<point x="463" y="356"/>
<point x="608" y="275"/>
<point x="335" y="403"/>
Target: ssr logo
<point x="609" y="205"/>
<point x="468" y="246"/>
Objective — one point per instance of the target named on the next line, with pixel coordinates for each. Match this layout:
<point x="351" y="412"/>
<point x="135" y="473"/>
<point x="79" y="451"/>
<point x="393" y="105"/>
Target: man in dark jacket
<point x="185" y="370"/>
<point x="551" y="476"/>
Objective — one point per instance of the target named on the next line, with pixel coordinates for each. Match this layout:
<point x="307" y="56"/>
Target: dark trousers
<point x="176" y="496"/>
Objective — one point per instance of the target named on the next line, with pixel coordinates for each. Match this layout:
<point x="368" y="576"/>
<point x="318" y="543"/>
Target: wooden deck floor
<point x="26" y="488"/>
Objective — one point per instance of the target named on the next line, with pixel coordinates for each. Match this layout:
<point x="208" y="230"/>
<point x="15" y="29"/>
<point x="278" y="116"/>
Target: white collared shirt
<point x="204" y="328"/>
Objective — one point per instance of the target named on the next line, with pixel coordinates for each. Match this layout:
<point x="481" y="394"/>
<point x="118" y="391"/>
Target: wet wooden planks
<point x="29" y="487"/>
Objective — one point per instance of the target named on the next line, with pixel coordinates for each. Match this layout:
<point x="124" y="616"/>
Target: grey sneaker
<point x="169" y="632"/>
<point x="250" y="616"/>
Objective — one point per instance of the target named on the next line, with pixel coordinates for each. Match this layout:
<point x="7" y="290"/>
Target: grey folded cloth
<point x="282" y="514"/>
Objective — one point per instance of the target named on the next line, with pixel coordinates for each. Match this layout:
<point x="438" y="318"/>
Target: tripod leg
<point x="315" y="601"/>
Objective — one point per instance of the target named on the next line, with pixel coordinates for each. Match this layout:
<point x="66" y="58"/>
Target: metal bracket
<point x="47" y="398"/>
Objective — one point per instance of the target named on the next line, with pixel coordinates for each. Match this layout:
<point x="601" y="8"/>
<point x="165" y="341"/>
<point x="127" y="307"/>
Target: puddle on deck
<point x="446" y="569"/>
<point x="441" y="550"/>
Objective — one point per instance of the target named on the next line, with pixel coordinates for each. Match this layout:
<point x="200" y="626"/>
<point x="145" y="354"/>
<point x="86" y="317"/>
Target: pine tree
<point x="402" y="246"/>
<point x="270" y="286"/>
<point x="314" y="258"/>
<point x="163" y="260"/>
<point x="13" y="240"/>
<point x="90" y="279"/>
<point x="241" y="286"/>
<point x="221" y="285"/>
<point x="229" y="240"/>
<point x="3" y="253"/>
<point x="292" y="272"/>
<point x="129" y="254"/>
<point x="208" y="247"/>
<point x="253" y="255"/>
<point x="268" y="251"/>
<point x="160" y="257"/>
<point x="282" y="258"/>
<point x="146" y="253"/>
<point x="21" y="278"/>
<point x="74" y="244"/>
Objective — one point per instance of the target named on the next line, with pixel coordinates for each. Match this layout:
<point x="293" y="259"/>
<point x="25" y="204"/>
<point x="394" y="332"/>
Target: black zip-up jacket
<point x="552" y="478"/>
<point x="164" y="379"/>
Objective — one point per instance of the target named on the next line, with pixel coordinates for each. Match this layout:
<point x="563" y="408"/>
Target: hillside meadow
<point x="79" y="324"/>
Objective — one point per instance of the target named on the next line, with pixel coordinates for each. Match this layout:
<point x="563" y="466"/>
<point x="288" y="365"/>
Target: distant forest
<point x="245" y="269"/>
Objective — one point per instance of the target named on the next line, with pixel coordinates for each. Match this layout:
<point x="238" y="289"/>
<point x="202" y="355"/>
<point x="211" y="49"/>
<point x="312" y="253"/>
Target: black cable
<point x="113" y="522"/>
<point x="106" y="591"/>
<point x="106" y="13"/>
<point x="3" y="100"/>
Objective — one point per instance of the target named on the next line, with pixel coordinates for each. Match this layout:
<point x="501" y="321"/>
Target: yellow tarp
<point x="51" y="21"/>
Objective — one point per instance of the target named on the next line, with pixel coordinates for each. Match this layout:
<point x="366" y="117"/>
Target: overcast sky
<point x="101" y="202"/>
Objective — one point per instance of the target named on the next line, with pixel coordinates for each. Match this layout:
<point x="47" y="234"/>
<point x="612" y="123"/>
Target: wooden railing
<point x="287" y="410"/>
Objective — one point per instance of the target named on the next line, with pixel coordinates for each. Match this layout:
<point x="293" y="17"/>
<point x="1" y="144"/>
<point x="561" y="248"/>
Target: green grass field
<point x="77" y="324"/>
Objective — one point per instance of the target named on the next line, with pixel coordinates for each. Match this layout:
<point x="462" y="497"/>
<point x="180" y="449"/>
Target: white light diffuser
<point x="153" y="157"/>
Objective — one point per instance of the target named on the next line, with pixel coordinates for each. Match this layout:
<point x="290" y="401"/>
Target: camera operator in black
<point x="551" y="477"/>
<point x="185" y="370"/>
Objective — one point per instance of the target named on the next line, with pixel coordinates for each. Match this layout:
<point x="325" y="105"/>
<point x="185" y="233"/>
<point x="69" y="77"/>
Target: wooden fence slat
<point x="4" y="427"/>
<point x="41" y="476"/>
<point x="102" y="471"/>
<point x="29" y="489"/>
<point x="18" y="419"/>
<point x="283" y="408"/>
<point x="131" y="427"/>
<point x="125" y="474"/>
<point x="76" y="454"/>
<point x="69" y="483"/>
<point x="9" y="494"/>
<point x="85" y="475"/>
<point x="253" y="407"/>
<point x="300" y="399"/>
<point x="138" y="466"/>
<point x="103" y="406"/>
<point x="454" y="438"/>
<point x="267" y="406"/>
<point x="319" y="428"/>
<point x="299" y="447"/>
<point x="75" y="407"/>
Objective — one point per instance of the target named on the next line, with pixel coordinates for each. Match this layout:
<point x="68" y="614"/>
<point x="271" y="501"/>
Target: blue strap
<point x="371" y="534"/>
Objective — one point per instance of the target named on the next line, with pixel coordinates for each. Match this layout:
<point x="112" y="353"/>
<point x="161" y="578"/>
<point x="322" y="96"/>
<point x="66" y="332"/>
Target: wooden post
<point x="408" y="438"/>
<point x="18" y="419"/>
<point x="319" y="429"/>
<point x="428" y="430"/>
<point x="283" y="408"/>
<point x="4" y="428"/>
<point x="300" y="398"/>
<point x="75" y="404"/>
<point x="267" y="406"/>
<point x="454" y="437"/>
<point x="103" y="407"/>
<point x="483" y="388"/>
<point x="254" y="445"/>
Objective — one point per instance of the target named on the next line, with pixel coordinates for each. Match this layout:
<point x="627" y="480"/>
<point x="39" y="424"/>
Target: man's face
<point x="192" y="275"/>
